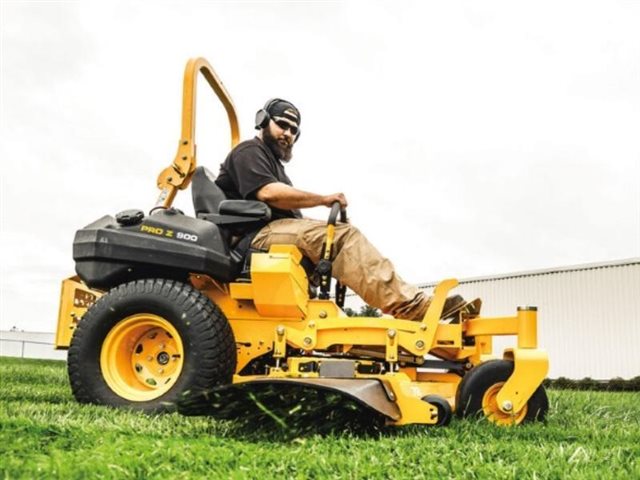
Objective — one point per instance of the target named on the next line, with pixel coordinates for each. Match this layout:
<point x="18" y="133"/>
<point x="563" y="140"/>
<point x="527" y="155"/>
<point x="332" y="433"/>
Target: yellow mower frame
<point x="273" y="314"/>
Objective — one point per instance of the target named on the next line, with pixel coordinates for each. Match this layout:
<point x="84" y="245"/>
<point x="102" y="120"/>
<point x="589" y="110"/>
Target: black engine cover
<point x="166" y="244"/>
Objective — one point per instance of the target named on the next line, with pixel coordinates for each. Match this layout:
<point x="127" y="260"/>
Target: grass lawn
<point x="44" y="433"/>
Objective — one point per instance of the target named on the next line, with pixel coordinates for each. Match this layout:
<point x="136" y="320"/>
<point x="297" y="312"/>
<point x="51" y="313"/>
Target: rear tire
<point x="477" y="392"/>
<point x="146" y="343"/>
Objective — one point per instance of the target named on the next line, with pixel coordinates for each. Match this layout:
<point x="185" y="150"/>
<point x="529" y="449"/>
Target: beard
<point x="282" y="152"/>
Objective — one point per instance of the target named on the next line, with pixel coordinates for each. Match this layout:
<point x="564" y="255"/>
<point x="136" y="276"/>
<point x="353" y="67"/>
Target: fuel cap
<point x="129" y="217"/>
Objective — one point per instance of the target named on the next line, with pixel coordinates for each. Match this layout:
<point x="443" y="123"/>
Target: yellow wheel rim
<point x="142" y="357"/>
<point x="493" y="412"/>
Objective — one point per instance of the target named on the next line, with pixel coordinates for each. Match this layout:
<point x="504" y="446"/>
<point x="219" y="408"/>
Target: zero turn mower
<point x="166" y="305"/>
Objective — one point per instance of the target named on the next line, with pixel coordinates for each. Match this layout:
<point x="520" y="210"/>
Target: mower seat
<point x="239" y="217"/>
<point x="206" y="195"/>
<point x="238" y="220"/>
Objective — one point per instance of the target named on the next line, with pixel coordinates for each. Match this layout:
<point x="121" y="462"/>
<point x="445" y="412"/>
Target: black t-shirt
<point x="250" y="166"/>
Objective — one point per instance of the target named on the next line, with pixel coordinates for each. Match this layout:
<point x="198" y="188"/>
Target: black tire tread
<point x="209" y="333"/>
<point x="476" y="382"/>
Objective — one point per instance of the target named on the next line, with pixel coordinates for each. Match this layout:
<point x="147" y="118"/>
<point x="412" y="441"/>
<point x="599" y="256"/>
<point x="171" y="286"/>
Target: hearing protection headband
<point x="263" y="116"/>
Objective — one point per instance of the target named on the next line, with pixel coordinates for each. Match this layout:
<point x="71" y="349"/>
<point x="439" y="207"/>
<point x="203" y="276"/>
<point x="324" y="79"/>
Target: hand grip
<point x="333" y="216"/>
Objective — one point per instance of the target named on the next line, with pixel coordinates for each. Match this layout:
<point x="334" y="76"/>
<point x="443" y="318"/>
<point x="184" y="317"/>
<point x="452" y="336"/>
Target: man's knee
<point x="347" y="230"/>
<point x="347" y="234"/>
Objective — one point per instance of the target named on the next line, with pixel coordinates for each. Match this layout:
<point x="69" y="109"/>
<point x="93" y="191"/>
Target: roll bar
<point x="178" y="175"/>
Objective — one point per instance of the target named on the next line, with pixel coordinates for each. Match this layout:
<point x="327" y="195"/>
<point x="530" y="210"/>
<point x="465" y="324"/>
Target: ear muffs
<point x="263" y="117"/>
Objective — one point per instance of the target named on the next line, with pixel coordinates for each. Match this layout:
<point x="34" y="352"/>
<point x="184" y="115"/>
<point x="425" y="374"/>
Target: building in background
<point x="588" y="315"/>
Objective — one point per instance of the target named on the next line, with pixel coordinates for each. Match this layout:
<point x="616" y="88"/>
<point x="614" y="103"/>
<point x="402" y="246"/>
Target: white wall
<point x="11" y="345"/>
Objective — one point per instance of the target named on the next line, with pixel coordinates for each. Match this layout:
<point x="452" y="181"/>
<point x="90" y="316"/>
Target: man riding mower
<point x="167" y="307"/>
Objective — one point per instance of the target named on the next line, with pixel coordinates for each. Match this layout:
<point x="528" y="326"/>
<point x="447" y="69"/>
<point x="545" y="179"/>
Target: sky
<point x="470" y="138"/>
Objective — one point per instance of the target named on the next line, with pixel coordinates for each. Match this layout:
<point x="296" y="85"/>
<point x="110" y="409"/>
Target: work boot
<point x="452" y="305"/>
<point x="468" y="311"/>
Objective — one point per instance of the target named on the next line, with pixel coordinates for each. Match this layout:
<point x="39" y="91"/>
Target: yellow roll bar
<point x="178" y="175"/>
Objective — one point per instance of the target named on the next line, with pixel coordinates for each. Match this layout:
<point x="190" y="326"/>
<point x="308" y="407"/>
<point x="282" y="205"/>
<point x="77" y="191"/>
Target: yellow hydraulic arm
<point x="178" y="175"/>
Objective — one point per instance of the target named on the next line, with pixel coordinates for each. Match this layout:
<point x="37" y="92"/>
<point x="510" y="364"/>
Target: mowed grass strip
<point x="44" y="433"/>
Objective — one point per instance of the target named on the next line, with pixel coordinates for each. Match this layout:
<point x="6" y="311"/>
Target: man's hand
<point x="329" y="200"/>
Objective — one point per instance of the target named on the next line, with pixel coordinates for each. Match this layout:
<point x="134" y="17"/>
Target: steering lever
<point x="324" y="265"/>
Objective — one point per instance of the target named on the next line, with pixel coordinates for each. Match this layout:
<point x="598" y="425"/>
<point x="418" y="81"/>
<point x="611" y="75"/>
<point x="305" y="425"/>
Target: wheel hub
<point x="163" y="358"/>
<point x="142" y="357"/>
<point x="493" y="412"/>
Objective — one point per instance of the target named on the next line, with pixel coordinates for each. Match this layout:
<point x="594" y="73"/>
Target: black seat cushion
<point x="206" y="195"/>
<point x="245" y="208"/>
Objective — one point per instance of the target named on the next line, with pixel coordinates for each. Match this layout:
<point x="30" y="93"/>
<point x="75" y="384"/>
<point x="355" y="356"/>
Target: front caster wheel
<point x="444" y="409"/>
<point x="478" y="391"/>
<point x="146" y="343"/>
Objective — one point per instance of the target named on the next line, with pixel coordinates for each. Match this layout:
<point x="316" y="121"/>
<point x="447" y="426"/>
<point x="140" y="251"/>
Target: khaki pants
<point x="356" y="264"/>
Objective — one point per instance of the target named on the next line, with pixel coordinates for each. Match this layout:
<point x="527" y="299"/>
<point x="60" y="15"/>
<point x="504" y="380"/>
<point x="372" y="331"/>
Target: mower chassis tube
<point x="524" y="325"/>
<point x="178" y="175"/>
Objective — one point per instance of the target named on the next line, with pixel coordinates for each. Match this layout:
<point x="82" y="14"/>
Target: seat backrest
<point x="205" y="193"/>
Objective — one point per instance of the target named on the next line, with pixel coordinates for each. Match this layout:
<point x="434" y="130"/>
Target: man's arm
<point x="281" y="195"/>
